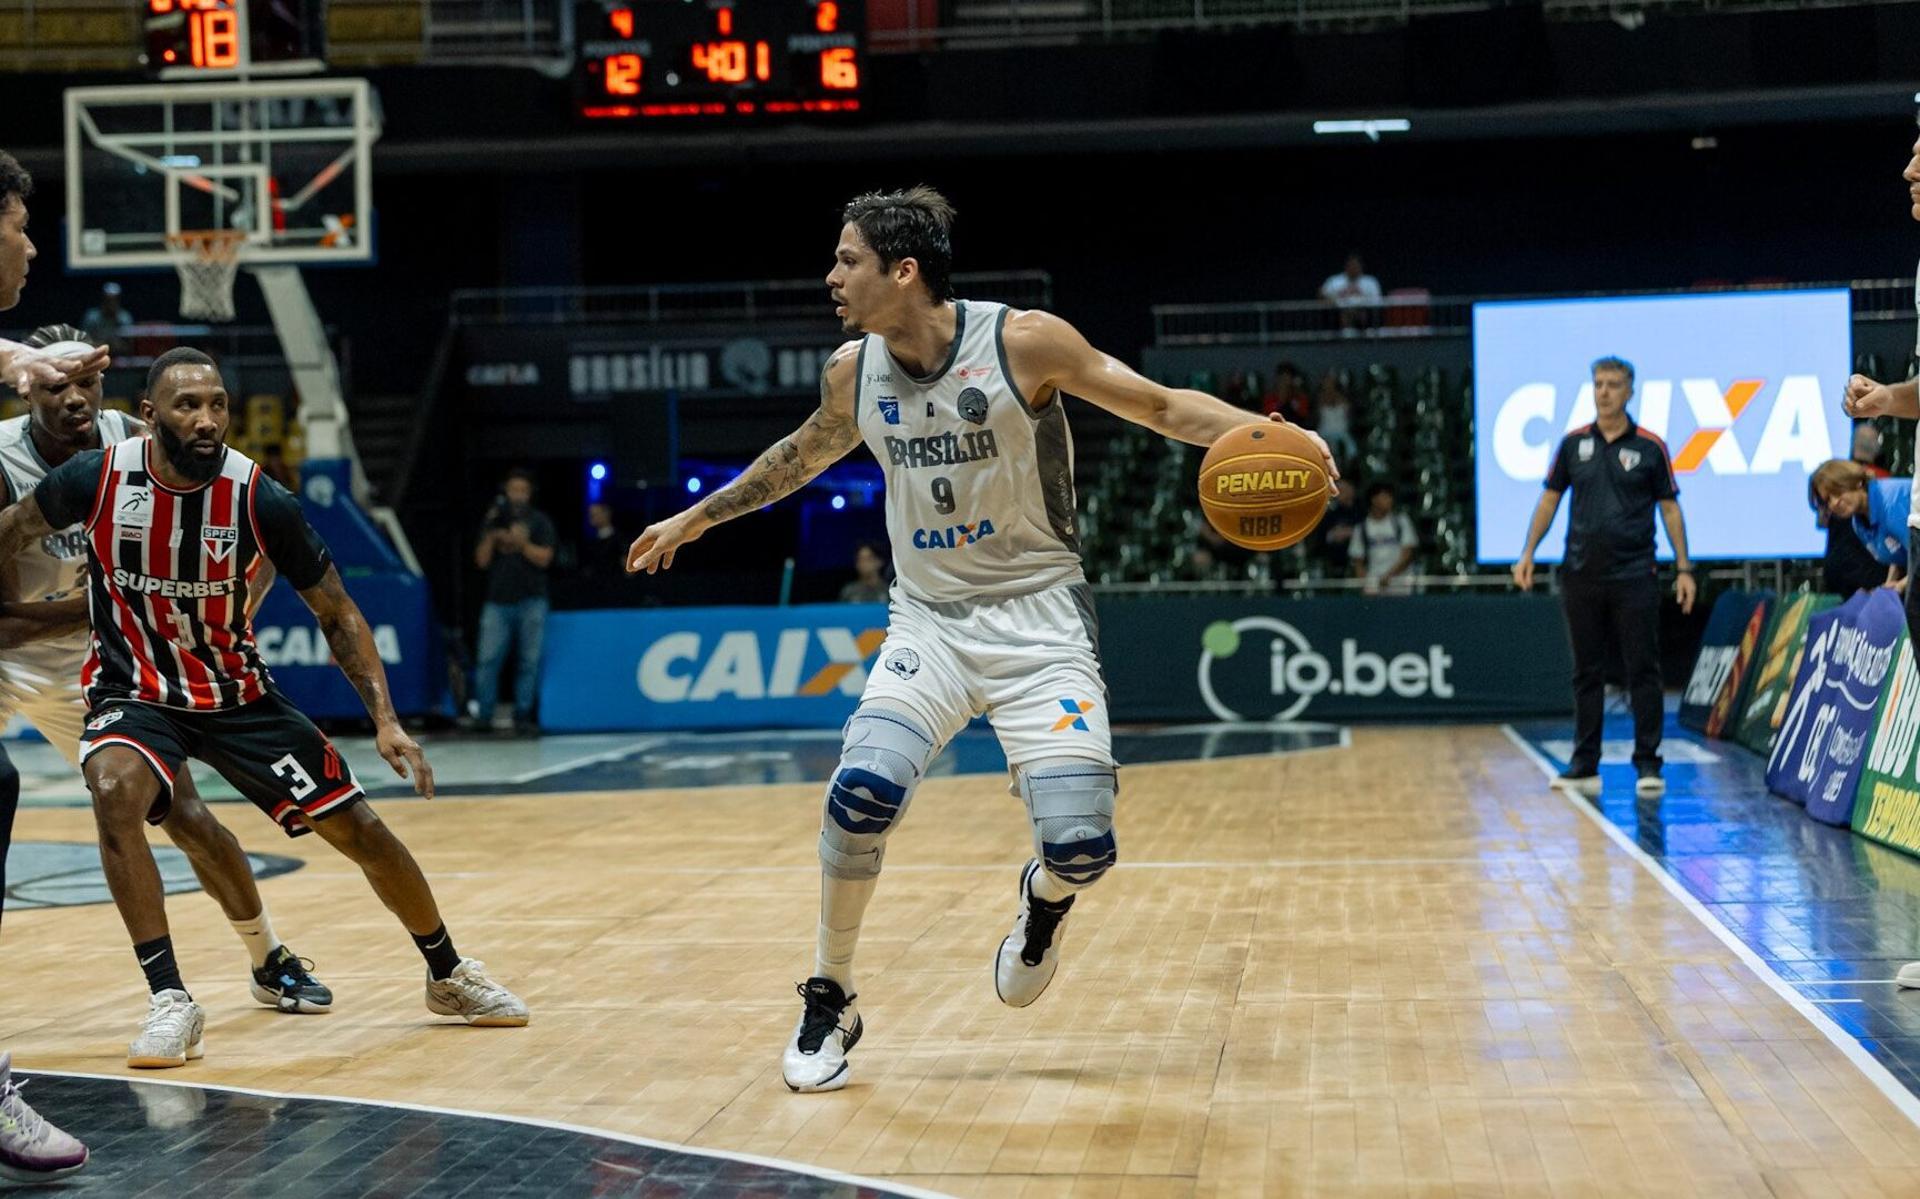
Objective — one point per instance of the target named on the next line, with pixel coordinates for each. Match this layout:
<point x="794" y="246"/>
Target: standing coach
<point x="1618" y="472"/>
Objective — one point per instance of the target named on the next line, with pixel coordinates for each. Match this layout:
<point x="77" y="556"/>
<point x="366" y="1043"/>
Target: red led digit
<point x="826" y="18"/>
<point x="762" y="62"/>
<point x="158" y="7"/>
<point x="623" y="74"/>
<point x="622" y="19"/>
<point x="838" y="70"/>
<point x="215" y="39"/>
<point x="726" y="21"/>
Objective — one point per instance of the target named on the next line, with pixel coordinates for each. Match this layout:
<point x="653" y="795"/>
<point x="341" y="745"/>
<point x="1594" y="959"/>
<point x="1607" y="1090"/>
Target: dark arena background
<point x="1379" y="923"/>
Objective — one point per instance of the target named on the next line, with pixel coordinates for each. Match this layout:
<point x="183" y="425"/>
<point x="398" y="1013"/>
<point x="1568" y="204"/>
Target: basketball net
<point x="207" y="260"/>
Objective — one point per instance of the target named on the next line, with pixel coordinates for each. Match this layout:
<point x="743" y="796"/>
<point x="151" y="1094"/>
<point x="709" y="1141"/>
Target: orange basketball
<point x="1264" y="486"/>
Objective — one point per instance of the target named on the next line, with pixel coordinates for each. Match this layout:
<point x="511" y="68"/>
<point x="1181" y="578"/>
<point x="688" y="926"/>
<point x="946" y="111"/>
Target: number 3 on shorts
<point x="298" y="781"/>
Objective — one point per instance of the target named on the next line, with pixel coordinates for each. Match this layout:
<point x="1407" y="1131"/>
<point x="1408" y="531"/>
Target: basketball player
<point x="1867" y="399"/>
<point x="961" y="402"/>
<point x="175" y="525"/>
<point x="42" y="681"/>
<point x="31" y="1148"/>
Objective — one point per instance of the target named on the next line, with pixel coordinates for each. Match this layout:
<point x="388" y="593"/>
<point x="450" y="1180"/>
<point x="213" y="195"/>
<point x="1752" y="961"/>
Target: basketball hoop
<point x="207" y="261"/>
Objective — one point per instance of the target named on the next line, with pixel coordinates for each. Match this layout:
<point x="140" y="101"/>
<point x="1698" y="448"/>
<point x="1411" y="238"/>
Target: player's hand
<point x="1523" y="574"/>
<point x="1326" y="451"/>
<point x="1684" y="589"/>
<point x="654" y="548"/>
<point x="1866" y="399"/>
<point x="404" y="754"/>
<point x="27" y="367"/>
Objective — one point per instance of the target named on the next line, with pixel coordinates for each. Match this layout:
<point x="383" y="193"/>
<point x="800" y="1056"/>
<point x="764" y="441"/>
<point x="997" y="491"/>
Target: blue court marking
<point x="1833" y="914"/>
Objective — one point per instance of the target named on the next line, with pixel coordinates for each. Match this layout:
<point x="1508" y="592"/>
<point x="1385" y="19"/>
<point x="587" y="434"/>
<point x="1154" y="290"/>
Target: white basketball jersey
<point x="980" y="501"/>
<point x="53" y="568"/>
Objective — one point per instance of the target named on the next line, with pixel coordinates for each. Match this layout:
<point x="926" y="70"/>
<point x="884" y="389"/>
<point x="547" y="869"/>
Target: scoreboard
<point x="719" y="58"/>
<point x="220" y="38"/>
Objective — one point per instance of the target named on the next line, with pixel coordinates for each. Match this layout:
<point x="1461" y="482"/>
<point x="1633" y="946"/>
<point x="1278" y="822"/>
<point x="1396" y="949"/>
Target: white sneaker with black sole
<point x="816" y="1057"/>
<point x="1649" y="784"/>
<point x="175" y="1033"/>
<point x="1030" y="955"/>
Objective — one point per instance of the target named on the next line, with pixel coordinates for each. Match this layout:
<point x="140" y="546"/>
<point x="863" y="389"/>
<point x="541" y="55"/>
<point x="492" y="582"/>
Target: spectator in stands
<point x="1877" y="509"/>
<point x="106" y="322"/>
<point x="603" y="553"/>
<point x="516" y="547"/>
<point x="1335" y="534"/>
<point x="1334" y="416"/>
<point x="1382" y="545"/>
<point x="1288" y="395"/>
<point x="1354" y="294"/>
<point x="870" y="583"/>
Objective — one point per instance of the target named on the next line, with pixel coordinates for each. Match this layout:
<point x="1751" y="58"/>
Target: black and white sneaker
<point x="816" y="1057"/>
<point x="286" y="984"/>
<point x="1649" y="784"/>
<point x="1031" y="953"/>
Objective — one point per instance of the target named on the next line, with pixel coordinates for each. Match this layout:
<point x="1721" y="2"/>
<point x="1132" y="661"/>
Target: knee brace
<point x="882" y="759"/>
<point x="1070" y="801"/>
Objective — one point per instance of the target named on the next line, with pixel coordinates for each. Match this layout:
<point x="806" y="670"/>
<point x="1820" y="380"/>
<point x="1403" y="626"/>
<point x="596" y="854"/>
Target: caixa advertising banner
<point x="707" y="668"/>
<point x="1263" y="660"/>
<point x="1823" y="741"/>
<point x="1744" y="388"/>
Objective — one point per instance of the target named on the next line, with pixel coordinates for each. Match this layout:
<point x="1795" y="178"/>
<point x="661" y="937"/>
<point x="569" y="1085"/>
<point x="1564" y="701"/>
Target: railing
<point x="786" y="299"/>
<point x="1265" y="323"/>
<point x="1780" y="574"/>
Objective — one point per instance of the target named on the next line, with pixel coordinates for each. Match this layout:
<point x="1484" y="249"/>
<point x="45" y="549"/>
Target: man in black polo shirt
<point x="1617" y="472"/>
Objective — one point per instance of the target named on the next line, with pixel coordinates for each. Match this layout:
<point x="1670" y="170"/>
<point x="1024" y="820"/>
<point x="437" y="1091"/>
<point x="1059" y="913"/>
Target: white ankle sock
<point x="843" y="905"/>
<point x="258" y="935"/>
<point x="1045" y="886"/>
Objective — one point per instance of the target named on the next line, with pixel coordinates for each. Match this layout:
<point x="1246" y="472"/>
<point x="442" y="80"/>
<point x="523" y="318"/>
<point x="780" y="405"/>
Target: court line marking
<point x="1881" y="1078"/>
<point x="605" y="755"/>
<point x="754" y="1159"/>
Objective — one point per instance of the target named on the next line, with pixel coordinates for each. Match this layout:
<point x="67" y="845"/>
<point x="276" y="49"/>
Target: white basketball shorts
<point x="1029" y="662"/>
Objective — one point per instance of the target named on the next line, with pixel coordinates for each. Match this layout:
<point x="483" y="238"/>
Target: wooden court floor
<point x="1403" y="968"/>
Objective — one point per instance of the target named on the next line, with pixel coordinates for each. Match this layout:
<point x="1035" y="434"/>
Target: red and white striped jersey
<point x="167" y="573"/>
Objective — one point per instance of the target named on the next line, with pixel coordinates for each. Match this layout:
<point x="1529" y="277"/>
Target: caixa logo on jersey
<point x="744" y="664"/>
<point x="1259" y="668"/>
<point x="1739" y="426"/>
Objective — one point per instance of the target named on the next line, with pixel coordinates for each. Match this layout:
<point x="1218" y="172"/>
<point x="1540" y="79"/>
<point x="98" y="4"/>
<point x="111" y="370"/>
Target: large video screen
<point x="1744" y="388"/>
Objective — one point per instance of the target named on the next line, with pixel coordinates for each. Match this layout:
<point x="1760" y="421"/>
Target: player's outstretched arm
<point x="1047" y="352"/>
<point x="821" y="440"/>
<point x="351" y="640"/>
<point x="22" y="366"/>
<point x="21" y="622"/>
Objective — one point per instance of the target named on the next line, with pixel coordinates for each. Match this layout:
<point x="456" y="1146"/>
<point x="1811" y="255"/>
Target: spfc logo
<point x="973" y="406"/>
<point x="1629" y="459"/>
<point x="220" y="540"/>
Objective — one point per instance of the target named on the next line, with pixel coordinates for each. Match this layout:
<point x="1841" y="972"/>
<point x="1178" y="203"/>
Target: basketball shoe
<point x="287" y="984"/>
<point x="1580" y="782"/>
<point x="175" y="1031"/>
<point x="31" y="1150"/>
<point x="816" y="1057"/>
<point x="1031" y="953"/>
<point x="1909" y="975"/>
<point x="469" y="994"/>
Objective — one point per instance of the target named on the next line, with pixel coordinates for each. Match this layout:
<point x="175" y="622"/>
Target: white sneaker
<point x="31" y="1150"/>
<point x="1031" y="953"/>
<point x="1579" y="784"/>
<point x="1909" y="975"/>
<point x="469" y="994"/>
<point x="816" y="1057"/>
<point x="175" y="1032"/>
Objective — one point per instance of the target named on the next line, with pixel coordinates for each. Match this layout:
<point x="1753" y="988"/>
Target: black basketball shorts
<point x="268" y="750"/>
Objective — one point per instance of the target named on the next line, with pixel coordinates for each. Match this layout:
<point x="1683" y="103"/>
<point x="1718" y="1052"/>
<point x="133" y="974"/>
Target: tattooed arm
<point x="351" y="640"/>
<point x="823" y="439"/>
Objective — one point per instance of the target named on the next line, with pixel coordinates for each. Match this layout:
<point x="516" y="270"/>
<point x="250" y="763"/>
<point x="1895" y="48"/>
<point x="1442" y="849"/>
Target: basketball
<point x="1264" y="487"/>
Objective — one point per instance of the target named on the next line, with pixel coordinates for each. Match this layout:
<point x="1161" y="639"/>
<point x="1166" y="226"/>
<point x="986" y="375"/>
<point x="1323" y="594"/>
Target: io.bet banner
<point x="1886" y="807"/>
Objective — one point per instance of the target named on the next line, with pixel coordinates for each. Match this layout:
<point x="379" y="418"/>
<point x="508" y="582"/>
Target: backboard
<point x="287" y="162"/>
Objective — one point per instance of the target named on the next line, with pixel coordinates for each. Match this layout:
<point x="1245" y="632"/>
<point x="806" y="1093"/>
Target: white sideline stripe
<point x="1877" y="1074"/>
<point x="608" y="755"/>
<point x="772" y="1163"/>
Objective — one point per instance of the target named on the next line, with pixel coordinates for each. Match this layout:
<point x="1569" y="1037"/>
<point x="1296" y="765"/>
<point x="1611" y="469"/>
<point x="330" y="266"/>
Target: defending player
<point x="175" y="524"/>
<point x="960" y="401"/>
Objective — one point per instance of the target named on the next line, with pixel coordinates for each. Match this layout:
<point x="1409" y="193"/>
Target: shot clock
<point x="218" y="39"/>
<point x="719" y="58"/>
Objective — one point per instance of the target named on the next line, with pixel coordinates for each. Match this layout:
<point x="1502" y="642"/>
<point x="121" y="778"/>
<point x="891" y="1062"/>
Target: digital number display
<point x="219" y="36"/>
<point x="680" y="58"/>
